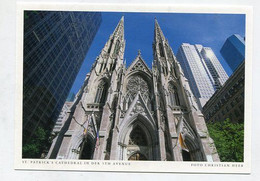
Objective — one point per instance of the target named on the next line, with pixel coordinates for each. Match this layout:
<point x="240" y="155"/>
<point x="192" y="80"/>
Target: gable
<point x="139" y="65"/>
<point x="138" y="107"/>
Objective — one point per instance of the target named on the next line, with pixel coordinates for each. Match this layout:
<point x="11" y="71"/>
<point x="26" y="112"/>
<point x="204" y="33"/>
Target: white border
<point x="148" y="166"/>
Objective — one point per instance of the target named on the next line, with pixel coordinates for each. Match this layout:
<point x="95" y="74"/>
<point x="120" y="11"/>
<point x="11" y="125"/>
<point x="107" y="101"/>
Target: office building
<point x="202" y="69"/>
<point x="233" y="51"/>
<point x="228" y="102"/>
<point x="55" y="45"/>
<point x="216" y="70"/>
<point x="60" y="121"/>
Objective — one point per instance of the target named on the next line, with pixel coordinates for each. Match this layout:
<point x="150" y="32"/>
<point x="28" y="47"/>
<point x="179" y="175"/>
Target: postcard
<point x="133" y="88"/>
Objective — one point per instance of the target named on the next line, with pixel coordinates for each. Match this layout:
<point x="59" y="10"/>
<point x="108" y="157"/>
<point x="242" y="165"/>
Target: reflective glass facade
<point x="203" y="70"/>
<point x="200" y="82"/>
<point x="233" y="51"/>
<point x="216" y="70"/>
<point x="55" y="45"/>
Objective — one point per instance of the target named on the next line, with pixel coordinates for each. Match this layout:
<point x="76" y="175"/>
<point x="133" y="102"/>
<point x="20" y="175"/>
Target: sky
<point x="209" y="30"/>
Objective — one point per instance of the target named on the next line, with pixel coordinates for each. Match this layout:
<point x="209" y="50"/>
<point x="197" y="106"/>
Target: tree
<point x="229" y="140"/>
<point x="37" y="145"/>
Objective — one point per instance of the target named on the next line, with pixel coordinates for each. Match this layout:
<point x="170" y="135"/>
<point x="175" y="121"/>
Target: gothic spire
<point x="162" y="52"/>
<point x="112" y="54"/>
<point x="158" y="34"/>
<point x="119" y="30"/>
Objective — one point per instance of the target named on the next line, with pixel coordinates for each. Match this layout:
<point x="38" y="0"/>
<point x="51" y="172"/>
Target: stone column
<point x="176" y="150"/>
<point x="162" y="145"/>
<point x="114" y="145"/>
<point x="99" y="153"/>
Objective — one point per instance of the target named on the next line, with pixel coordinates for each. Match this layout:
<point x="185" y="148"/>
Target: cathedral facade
<point x="134" y="113"/>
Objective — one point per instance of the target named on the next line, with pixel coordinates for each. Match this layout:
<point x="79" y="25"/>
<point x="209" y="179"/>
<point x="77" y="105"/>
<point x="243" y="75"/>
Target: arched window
<point x="117" y="47"/>
<point x="110" y="46"/>
<point x="101" y="92"/>
<point x="101" y="67"/>
<point x="173" y="94"/>
<point x="114" y="65"/>
<point x="87" y="148"/>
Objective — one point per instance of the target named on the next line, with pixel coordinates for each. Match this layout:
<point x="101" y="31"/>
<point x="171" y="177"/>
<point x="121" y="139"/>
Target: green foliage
<point x="229" y="140"/>
<point x="37" y="145"/>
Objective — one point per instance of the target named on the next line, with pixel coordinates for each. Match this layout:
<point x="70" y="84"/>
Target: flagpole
<point x="180" y="138"/>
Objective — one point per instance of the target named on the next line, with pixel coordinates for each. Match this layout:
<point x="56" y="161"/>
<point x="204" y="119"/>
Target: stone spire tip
<point x="139" y="52"/>
<point x="122" y="18"/>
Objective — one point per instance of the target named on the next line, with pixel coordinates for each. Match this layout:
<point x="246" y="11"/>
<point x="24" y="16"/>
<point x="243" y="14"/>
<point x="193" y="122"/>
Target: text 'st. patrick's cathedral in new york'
<point x="134" y="113"/>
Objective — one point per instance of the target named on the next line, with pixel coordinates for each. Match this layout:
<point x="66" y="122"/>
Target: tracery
<point x="136" y="84"/>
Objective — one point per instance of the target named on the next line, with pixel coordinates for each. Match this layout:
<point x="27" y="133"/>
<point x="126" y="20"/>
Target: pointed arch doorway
<point x="138" y="139"/>
<point x="138" y="144"/>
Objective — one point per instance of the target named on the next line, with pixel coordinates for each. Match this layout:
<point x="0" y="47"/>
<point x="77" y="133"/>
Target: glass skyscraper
<point x="55" y="45"/>
<point x="216" y="70"/>
<point x="233" y="51"/>
<point x="203" y="70"/>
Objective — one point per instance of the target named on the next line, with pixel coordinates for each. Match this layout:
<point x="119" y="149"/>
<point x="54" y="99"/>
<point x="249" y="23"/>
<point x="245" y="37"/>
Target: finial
<point x="139" y="52"/>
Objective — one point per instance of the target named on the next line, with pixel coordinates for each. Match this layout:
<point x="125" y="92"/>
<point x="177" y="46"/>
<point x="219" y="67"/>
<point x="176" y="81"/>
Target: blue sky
<point x="209" y="30"/>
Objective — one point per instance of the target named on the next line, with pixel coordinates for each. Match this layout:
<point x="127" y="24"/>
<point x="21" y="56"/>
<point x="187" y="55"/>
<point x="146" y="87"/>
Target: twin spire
<point x="158" y="34"/>
<point x="113" y="52"/>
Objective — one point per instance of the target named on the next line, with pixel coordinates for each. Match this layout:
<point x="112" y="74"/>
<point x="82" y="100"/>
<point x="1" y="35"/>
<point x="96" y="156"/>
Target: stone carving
<point x="138" y="84"/>
<point x="139" y="66"/>
<point x="138" y="108"/>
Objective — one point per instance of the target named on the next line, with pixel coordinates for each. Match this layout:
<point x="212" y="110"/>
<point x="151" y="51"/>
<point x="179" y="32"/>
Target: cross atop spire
<point x="139" y="52"/>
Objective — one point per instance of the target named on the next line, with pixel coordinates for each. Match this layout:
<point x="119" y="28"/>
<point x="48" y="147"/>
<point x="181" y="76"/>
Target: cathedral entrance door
<point x="138" y="144"/>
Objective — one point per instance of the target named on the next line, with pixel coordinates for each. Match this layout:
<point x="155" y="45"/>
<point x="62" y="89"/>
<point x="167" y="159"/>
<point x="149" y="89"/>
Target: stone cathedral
<point x="134" y="113"/>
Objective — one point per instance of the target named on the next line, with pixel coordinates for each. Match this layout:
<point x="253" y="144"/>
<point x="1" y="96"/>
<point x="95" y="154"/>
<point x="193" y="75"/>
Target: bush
<point x="37" y="145"/>
<point x="229" y="140"/>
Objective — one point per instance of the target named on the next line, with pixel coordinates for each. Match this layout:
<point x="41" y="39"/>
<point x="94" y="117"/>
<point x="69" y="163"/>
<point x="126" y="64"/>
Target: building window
<point x="173" y="94"/>
<point x="101" y="92"/>
<point x="117" y="47"/>
<point x="110" y="46"/>
<point x="138" y="84"/>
